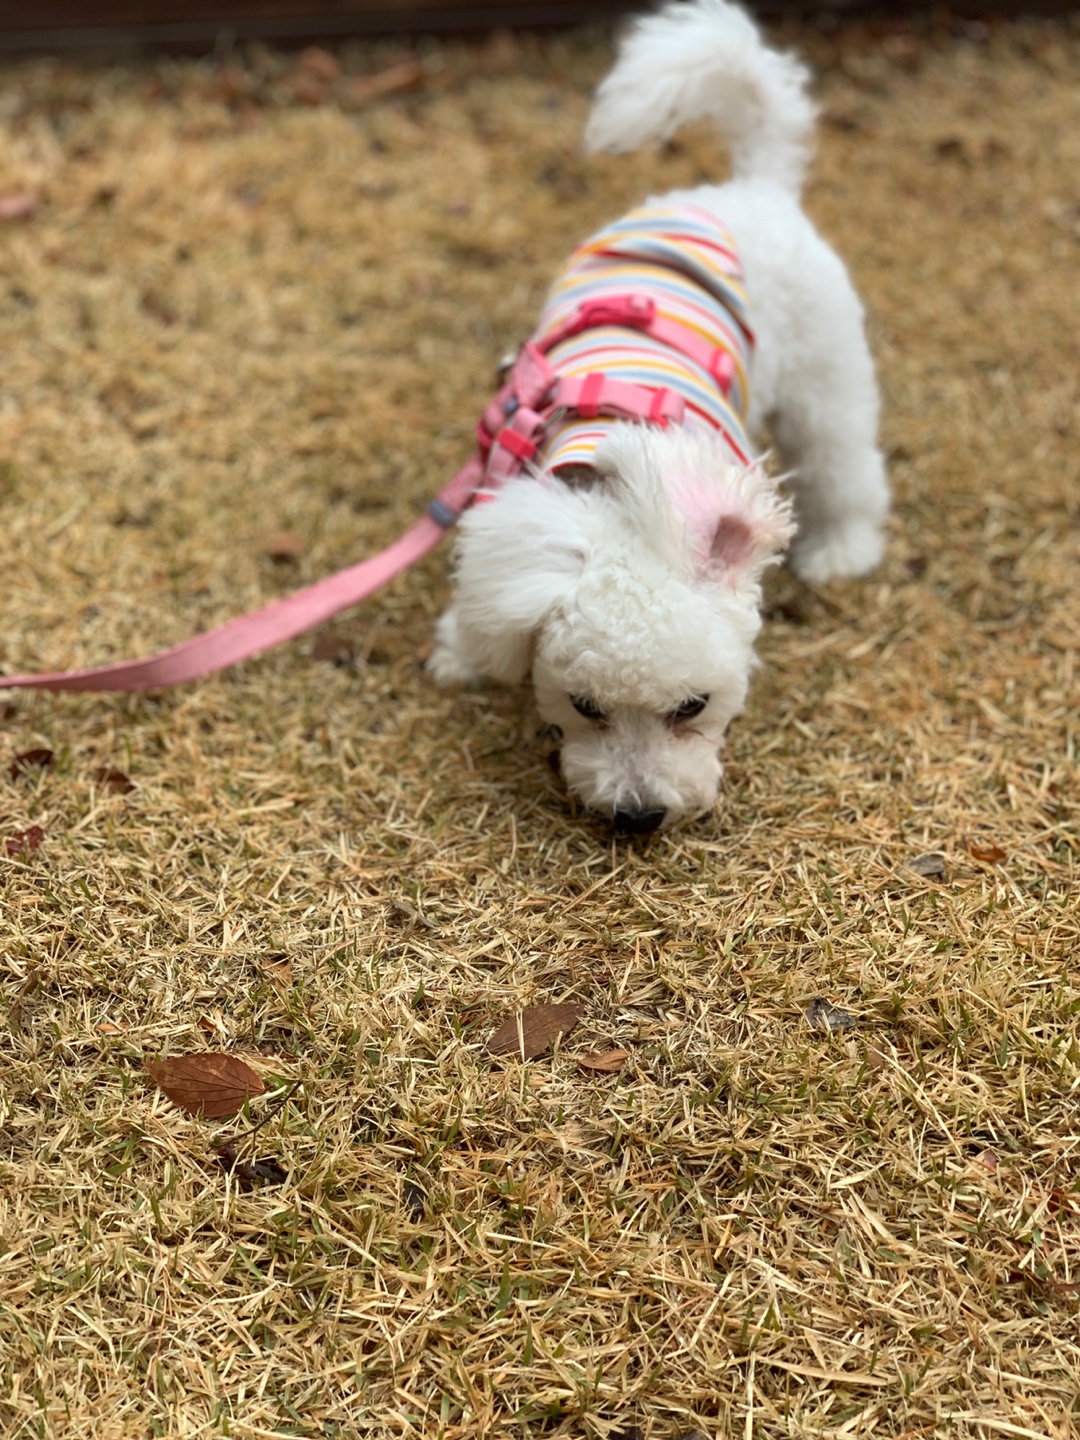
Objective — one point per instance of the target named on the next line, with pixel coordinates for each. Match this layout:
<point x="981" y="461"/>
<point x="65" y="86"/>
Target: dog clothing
<point x="648" y="322"/>
<point x="685" y="261"/>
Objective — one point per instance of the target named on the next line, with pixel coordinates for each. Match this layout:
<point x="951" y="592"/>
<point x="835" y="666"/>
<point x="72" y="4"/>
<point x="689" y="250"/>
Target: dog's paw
<point x="446" y="667"/>
<point x="846" y="550"/>
<point x="446" y="663"/>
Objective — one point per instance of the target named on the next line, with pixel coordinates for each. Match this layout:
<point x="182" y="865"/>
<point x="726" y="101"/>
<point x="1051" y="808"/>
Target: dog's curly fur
<point x="632" y="597"/>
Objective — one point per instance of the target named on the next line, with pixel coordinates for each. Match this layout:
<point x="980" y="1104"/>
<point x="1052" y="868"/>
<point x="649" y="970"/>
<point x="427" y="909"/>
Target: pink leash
<point x="507" y="436"/>
<point x="251" y="634"/>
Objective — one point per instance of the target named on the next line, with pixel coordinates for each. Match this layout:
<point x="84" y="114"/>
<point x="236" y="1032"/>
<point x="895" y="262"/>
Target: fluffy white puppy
<point x="631" y="587"/>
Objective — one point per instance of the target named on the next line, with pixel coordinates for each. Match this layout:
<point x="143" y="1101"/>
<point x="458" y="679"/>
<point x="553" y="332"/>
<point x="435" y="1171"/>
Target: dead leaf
<point x="824" y="1016"/>
<point x="264" y="1171"/>
<point x="990" y="854"/>
<point x="26" y="989"/>
<point x="988" y="1160"/>
<point x="528" y="1033"/>
<point x="18" y="206"/>
<point x="157" y="308"/>
<point x="25" y="840"/>
<point x="338" y="649"/>
<point x="403" y="75"/>
<point x="279" y="971"/>
<point x="605" y="1062"/>
<point x="285" y="546"/>
<point x="1025" y="1277"/>
<point x="114" y="781"/>
<point x="210" y="1084"/>
<point x="876" y="1058"/>
<point x="308" y="89"/>
<point x="930" y="865"/>
<point x="233" y="83"/>
<point x="500" y="52"/>
<point x="38" y="759"/>
<point x="320" y="63"/>
<point x="108" y="1028"/>
<point x="951" y="147"/>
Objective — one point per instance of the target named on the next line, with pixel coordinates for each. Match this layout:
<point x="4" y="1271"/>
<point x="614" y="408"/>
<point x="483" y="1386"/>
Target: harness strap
<point x="515" y="444"/>
<point x="638" y="312"/>
<point x="597" y="394"/>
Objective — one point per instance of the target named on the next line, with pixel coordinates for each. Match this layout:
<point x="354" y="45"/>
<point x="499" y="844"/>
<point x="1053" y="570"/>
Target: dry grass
<point x="228" y="318"/>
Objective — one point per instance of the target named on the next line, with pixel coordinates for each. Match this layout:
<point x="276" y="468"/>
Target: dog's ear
<point x="680" y="485"/>
<point x="737" y="521"/>
<point x="736" y="530"/>
<point x="732" y="543"/>
<point x="520" y="551"/>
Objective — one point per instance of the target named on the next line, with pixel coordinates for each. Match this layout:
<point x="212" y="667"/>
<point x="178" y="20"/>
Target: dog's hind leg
<point x="824" y="420"/>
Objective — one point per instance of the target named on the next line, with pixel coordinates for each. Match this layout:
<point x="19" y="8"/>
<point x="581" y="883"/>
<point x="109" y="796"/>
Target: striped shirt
<point x="686" y="262"/>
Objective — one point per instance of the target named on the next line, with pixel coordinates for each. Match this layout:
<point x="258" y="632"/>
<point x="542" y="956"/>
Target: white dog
<point x="619" y="548"/>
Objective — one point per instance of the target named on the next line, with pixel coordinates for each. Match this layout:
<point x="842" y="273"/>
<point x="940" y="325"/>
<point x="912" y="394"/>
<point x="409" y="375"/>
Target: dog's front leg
<point x="465" y="656"/>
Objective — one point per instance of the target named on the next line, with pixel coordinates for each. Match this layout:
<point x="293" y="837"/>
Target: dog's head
<point x="635" y="599"/>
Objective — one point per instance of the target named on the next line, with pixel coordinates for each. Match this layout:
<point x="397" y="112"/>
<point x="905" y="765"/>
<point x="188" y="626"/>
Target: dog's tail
<point x="700" y="59"/>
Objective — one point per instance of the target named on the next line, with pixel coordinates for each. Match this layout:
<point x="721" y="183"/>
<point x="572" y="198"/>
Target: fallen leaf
<point x="114" y="781"/>
<point x="25" y="840"/>
<point x="824" y="1016"/>
<point x="26" y="989"/>
<point x="18" y="206"/>
<point x="279" y="971"/>
<point x="209" y="1083"/>
<point x="989" y="854"/>
<point x="988" y="1160"/>
<point x="528" y="1033"/>
<point x="932" y="864"/>
<point x="157" y="308"/>
<point x="414" y="1199"/>
<point x="108" y="1028"/>
<point x="264" y="1171"/>
<point x="606" y="1062"/>
<point x="320" y="63"/>
<point x="404" y="75"/>
<point x="285" y="546"/>
<point x="38" y="759"/>
<point x="307" y="89"/>
<point x="233" y="83"/>
<point x="338" y="649"/>
<point x="1065" y="1287"/>
<point x="951" y="147"/>
<point x="500" y="52"/>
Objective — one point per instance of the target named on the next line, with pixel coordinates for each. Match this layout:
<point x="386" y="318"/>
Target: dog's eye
<point x="689" y="708"/>
<point x="584" y="706"/>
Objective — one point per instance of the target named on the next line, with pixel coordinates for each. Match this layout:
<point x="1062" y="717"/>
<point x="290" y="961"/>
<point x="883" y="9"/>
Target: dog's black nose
<point x="638" y="822"/>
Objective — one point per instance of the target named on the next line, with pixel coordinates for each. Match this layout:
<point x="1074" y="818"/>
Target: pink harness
<point x="510" y="428"/>
<point x="509" y="436"/>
